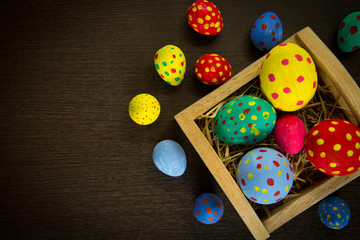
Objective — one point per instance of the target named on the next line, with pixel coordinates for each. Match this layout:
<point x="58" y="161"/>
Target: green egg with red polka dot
<point x="349" y="33"/>
<point x="244" y="120"/>
<point x="170" y="63"/>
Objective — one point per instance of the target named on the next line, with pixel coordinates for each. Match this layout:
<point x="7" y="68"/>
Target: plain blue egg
<point x="267" y="31"/>
<point x="169" y="157"/>
<point x="334" y="212"/>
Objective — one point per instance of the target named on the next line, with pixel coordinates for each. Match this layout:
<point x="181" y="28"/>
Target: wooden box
<point x="333" y="74"/>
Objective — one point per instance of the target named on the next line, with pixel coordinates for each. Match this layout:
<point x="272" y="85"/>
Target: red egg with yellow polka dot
<point x="205" y="18"/>
<point x="333" y="147"/>
<point x="212" y="69"/>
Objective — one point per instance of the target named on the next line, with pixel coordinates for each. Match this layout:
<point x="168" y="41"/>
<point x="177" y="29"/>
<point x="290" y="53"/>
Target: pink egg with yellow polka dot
<point x="333" y="147"/>
<point x="288" y="77"/>
<point x="264" y="175"/>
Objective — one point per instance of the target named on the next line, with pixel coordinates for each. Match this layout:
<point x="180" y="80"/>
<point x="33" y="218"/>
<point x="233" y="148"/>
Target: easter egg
<point x="334" y="212"/>
<point x="333" y="147"/>
<point x="267" y="31"/>
<point x="170" y="63"/>
<point x="205" y="18"/>
<point x="348" y="36"/>
<point x="264" y="175"/>
<point x="244" y="120"/>
<point x="288" y="77"/>
<point x="289" y="133"/>
<point x="144" y="109"/>
<point x="169" y="157"/>
<point x="212" y="69"/>
<point x="208" y="208"/>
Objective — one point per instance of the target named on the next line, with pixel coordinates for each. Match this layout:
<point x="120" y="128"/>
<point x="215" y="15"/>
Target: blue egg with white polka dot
<point x="334" y="212"/>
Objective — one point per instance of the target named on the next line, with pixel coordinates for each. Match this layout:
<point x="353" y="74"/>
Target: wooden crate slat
<point x="333" y="69"/>
<point x="222" y="176"/>
<point x="307" y="198"/>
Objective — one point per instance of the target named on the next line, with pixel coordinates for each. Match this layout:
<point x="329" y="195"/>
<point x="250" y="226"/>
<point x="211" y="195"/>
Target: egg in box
<point x="333" y="147"/>
<point x="288" y="77"/>
<point x="264" y="175"/>
<point x="170" y="63"/>
<point x="244" y="120"/>
<point x="289" y="133"/>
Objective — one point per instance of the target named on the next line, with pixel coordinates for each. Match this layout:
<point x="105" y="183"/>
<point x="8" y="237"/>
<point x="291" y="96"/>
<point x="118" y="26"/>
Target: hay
<point x="323" y="106"/>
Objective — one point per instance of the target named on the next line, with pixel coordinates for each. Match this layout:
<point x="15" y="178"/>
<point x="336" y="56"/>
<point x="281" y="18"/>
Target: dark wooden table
<point x="73" y="163"/>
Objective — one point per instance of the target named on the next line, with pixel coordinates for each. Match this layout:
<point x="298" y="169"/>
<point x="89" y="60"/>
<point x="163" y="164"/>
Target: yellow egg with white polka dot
<point x="170" y="63"/>
<point x="144" y="109"/>
<point x="288" y="77"/>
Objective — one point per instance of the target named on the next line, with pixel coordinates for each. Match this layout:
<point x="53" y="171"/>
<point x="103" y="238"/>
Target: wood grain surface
<point x="73" y="165"/>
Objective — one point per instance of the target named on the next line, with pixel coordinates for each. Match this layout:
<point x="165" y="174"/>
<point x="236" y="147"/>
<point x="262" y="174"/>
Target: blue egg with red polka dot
<point x="208" y="208"/>
<point x="264" y="175"/>
<point x="267" y="31"/>
<point x="334" y="212"/>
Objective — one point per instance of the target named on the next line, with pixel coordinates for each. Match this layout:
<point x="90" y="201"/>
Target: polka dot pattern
<point x="208" y="208"/>
<point x="349" y="33"/>
<point x="271" y="175"/>
<point x="334" y="212"/>
<point x="244" y="120"/>
<point x="212" y="69"/>
<point x="205" y="18"/>
<point x="332" y="147"/>
<point x="170" y="63"/>
<point x="288" y="77"/>
<point x="144" y="109"/>
<point x="267" y="31"/>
